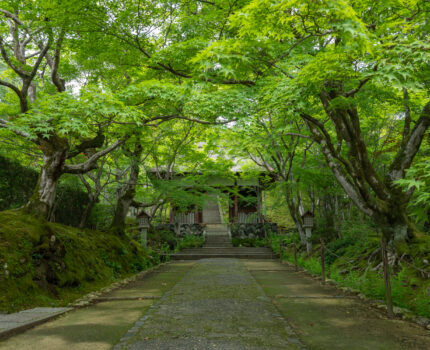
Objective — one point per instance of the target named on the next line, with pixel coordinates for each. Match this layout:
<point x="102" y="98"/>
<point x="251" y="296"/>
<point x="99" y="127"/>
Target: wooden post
<point x="295" y="256"/>
<point x="172" y="214"/>
<point x="388" y="296"/>
<point x="266" y="236"/>
<point x="281" y="248"/>
<point x="236" y="208"/>
<point x="322" y="261"/>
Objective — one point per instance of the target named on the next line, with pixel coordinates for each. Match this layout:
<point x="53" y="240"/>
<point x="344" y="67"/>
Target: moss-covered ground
<point x="48" y="264"/>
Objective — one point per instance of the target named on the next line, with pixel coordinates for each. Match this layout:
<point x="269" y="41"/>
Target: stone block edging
<point x="93" y="297"/>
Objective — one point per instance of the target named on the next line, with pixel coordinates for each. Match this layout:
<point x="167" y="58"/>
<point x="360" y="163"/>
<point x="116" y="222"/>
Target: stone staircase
<point x="218" y="245"/>
<point x="231" y="252"/>
<point x="217" y="236"/>
<point x="212" y="212"/>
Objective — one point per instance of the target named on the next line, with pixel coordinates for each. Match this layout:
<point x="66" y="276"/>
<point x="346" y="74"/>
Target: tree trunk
<point x="42" y="201"/>
<point x="394" y="221"/>
<point x="87" y="212"/>
<point x="127" y="192"/>
<point x="301" y="232"/>
<point x="294" y="209"/>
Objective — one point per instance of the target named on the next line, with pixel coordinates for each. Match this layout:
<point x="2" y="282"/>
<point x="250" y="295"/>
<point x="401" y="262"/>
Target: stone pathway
<point x="227" y="304"/>
<point x="324" y="318"/>
<point x="217" y="305"/>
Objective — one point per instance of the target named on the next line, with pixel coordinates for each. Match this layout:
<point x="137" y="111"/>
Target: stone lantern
<point x="143" y="219"/>
<point x="308" y="224"/>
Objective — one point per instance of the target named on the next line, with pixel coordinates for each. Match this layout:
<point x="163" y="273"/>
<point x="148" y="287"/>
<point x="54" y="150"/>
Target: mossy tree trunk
<point x="348" y="158"/>
<point x="54" y="156"/>
<point x="55" y="153"/>
<point x="127" y="192"/>
<point x="93" y="191"/>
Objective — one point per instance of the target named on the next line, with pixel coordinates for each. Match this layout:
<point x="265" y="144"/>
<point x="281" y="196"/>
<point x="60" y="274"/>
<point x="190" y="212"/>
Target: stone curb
<point x="402" y="313"/>
<point x="93" y="297"/>
<point x="19" y="329"/>
<point x="86" y="300"/>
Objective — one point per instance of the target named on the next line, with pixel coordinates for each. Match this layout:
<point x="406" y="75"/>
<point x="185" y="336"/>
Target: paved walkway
<point x="217" y="305"/>
<point x="324" y="318"/>
<point x="224" y="304"/>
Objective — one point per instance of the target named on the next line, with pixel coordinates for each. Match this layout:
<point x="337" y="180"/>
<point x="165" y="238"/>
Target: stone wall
<point x="240" y="230"/>
<point x="182" y="229"/>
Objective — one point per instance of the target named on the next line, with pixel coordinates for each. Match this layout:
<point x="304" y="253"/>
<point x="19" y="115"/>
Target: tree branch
<point x="296" y="134"/>
<point x="11" y="16"/>
<point x="39" y="59"/>
<point x="12" y="87"/>
<point x="17" y="70"/>
<point x="406" y="153"/>
<point x="321" y="136"/>
<point x="351" y="93"/>
<point x="96" y="142"/>
<point x="408" y="119"/>
<point x="3" y="124"/>
<point x="91" y="163"/>
<point x="171" y="117"/>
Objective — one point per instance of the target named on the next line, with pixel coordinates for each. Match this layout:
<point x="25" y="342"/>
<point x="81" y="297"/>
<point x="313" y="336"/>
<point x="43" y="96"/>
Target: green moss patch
<point x="48" y="264"/>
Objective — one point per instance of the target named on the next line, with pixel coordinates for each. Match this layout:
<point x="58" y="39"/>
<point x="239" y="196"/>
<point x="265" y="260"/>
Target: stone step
<point x="181" y="256"/>
<point x="214" y="244"/>
<point x="218" y="238"/>
<point x="217" y="234"/>
<point x="225" y="252"/>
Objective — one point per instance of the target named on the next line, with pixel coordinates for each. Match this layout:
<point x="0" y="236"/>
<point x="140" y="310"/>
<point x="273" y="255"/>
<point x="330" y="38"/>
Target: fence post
<point x="322" y="261"/>
<point x="281" y="248"/>
<point x="295" y="256"/>
<point x="388" y="296"/>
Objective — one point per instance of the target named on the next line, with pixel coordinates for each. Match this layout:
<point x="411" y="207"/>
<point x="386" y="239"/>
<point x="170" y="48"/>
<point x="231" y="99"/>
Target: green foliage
<point x="418" y="179"/>
<point x="16" y="183"/>
<point x="167" y="240"/>
<point x="101" y="216"/>
<point x="190" y="241"/>
<point x="249" y="242"/>
<point x="71" y="200"/>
